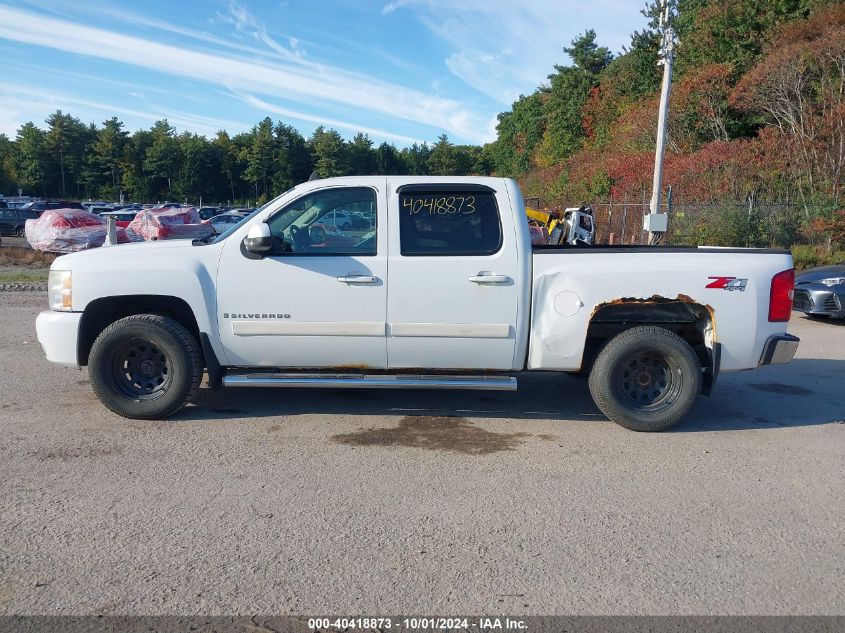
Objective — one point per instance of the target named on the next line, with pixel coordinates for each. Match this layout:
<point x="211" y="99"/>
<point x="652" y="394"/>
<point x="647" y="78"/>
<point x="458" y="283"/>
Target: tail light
<point x="780" y="299"/>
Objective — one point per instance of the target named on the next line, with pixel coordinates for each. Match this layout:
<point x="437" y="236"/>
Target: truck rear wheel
<point x="145" y="366"/>
<point x="646" y="379"/>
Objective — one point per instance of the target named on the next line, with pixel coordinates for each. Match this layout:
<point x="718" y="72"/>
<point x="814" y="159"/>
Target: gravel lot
<point x="264" y="501"/>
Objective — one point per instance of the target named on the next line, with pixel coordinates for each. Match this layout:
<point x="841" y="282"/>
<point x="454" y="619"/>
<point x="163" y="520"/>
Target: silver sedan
<point x="225" y="221"/>
<point x="821" y="291"/>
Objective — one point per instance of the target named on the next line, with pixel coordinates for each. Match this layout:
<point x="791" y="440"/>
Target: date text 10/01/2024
<point x="417" y="623"/>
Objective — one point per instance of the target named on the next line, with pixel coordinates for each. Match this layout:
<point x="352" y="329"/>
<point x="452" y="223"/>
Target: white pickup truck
<point x="439" y="287"/>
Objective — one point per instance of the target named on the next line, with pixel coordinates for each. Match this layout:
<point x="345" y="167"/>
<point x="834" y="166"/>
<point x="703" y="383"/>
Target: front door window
<point x="310" y="225"/>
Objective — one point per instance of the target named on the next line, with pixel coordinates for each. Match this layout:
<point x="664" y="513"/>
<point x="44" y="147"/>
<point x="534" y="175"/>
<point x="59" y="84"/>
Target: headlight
<point x="59" y="290"/>
<point x="832" y="281"/>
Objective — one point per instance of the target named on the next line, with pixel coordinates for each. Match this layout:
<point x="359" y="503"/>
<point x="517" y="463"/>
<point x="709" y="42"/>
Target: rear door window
<point x="450" y="221"/>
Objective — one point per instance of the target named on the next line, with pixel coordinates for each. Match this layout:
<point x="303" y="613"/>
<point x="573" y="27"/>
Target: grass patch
<point x="19" y="256"/>
<point x="26" y="276"/>
<point x="804" y="256"/>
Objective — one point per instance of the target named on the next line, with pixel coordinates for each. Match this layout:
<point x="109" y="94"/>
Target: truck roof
<point x="489" y="180"/>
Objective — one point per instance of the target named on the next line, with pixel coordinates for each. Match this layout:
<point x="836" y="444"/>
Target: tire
<point x="145" y="366"/>
<point x="646" y="379"/>
<point x="19" y="232"/>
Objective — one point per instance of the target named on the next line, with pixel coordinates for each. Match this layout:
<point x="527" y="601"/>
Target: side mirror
<point x="259" y="240"/>
<point x="317" y="234"/>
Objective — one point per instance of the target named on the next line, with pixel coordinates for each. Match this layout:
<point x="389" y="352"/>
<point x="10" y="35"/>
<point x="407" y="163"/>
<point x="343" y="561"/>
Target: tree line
<point x="70" y="159"/>
<point x="757" y="110"/>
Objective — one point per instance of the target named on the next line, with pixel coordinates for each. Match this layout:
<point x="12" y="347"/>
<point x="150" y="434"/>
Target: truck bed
<point x="637" y="248"/>
<point x="731" y="284"/>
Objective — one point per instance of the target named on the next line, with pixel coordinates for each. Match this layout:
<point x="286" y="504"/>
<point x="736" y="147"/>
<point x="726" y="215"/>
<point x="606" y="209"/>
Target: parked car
<point x="15" y="202"/>
<point x="90" y="205"/>
<point x="39" y="206"/>
<point x="122" y="218"/>
<point x="341" y="219"/>
<point x="12" y="221"/>
<point x="821" y="291"/>
<point x="363" y="219"/>
<point x="69" y="230"/>
<point x="455" y="299"/>
<point x="169" y="223"/>
<point x="206" y="213"/>
<point x="224" y="221"/>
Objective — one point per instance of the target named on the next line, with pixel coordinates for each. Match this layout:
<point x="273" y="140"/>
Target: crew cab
<point x="443" y="290"/>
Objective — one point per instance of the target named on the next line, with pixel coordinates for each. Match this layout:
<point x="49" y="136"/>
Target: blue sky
<point x="399" y="70"/>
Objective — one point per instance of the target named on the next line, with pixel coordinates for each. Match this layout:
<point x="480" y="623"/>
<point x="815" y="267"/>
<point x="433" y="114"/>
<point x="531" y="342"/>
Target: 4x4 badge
<point x="728" y="283"/>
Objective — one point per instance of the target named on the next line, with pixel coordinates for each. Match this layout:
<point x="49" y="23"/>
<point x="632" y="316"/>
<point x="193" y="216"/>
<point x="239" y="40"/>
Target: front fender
<point x="186" y="272"/>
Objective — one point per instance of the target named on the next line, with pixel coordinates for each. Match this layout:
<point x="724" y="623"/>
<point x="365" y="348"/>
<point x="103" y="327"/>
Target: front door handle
<point x="490" y="278"/>
<point x="359" y="279"/>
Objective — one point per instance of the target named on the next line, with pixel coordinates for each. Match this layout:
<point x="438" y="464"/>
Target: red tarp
<point x="170" y="223"/>
<point x="69" y="230"/>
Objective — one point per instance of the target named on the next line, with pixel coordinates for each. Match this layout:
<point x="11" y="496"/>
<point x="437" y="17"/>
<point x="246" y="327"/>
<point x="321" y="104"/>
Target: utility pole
<point x="657" y="225"/>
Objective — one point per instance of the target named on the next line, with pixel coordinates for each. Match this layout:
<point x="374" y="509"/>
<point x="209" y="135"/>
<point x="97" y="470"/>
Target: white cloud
<point x="260" y="104"/>
<point x="390" y="7"/>
<point x="291" y="78"/>
<point x="19" y="103"/>
<point x="297" y="47"/>
<point x="10" y="118"/>
<point x="485" y="72"/>
<point x="503" y="48"/>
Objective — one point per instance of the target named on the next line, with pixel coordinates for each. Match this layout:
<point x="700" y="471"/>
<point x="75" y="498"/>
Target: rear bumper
<point x="779" y="349"/>
<point x="58" y="333"/>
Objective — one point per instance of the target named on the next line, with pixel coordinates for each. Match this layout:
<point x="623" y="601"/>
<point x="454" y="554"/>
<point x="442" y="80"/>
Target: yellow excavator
<point x="573" y="225"/>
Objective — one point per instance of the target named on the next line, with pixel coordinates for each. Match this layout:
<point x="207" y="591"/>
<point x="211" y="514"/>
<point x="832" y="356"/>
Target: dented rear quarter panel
<point x="601" y="276"/>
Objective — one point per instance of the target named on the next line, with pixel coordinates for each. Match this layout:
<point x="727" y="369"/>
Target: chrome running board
<point x="371" y="381"/>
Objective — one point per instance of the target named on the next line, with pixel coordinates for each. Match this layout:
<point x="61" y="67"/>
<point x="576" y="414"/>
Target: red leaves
<point x="832" y="227"/>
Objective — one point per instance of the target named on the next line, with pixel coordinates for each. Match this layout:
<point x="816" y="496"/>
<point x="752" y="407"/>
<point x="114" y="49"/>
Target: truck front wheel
<point x="145" y="366"/>
<point x="646" y="379"/>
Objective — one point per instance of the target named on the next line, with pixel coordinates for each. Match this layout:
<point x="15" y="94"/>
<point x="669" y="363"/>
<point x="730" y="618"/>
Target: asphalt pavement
<point x="367" y="502"/>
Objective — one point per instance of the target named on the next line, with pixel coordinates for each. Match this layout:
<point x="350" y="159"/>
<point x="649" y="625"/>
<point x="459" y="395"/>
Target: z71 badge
<point x="728" y="283"/>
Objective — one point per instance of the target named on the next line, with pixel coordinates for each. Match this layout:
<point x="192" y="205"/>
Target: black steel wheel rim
<point x="141" y="370"/>
<point x="649" y="381"/>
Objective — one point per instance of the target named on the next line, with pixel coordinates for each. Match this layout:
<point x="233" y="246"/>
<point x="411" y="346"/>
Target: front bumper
<point x="58" y="333"/>
<point x="818" y="299"/>
<point x="779" y="349"/>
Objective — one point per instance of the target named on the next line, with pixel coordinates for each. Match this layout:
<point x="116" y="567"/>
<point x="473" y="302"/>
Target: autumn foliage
<point x="757" y="112"/>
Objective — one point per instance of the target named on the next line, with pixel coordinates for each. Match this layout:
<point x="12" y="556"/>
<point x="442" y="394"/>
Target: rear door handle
<point x="489" y="279"/>
<point x="358" y="279"/>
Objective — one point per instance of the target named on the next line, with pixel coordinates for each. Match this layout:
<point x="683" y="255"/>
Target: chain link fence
<point x="752" y="224"/>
